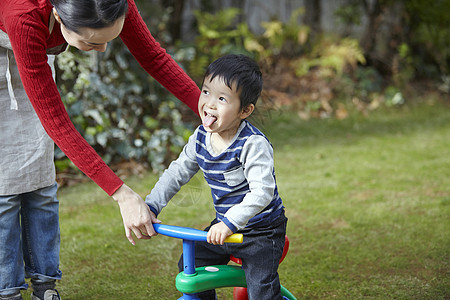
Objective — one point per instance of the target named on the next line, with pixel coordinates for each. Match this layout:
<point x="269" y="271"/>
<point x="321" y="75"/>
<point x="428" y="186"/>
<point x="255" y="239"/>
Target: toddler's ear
<point x="247" y="111"/>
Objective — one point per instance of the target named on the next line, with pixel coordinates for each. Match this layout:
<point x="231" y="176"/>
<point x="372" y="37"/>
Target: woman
<point x="30" y="30"/>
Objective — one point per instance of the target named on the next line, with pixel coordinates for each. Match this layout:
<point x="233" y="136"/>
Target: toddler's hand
<point x="218" y="233"/>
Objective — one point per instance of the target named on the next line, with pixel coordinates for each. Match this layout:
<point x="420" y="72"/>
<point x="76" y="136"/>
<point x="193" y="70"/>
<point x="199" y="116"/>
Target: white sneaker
<point x="48" y="295"/>
<point x="17" y="296"/>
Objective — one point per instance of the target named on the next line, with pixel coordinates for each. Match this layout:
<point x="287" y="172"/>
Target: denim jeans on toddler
<point x="260" y="252"/>
<point x="30" y="239"/>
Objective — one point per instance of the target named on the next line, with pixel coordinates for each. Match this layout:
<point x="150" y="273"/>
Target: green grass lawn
<point x="367" y="200"/>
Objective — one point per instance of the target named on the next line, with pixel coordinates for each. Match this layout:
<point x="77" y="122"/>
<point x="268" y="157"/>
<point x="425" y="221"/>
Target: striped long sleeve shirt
<point x="241" y="178"/>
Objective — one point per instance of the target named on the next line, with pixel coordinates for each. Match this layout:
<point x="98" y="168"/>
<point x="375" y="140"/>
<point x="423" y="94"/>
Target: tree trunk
<point x="175" y="20"/>
<point x="313" y="12"/>
<point x="374" y="16"/>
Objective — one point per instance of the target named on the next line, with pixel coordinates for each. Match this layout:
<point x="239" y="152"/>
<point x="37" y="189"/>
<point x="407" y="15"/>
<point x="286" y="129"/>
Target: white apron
<point x="26" y="151"/>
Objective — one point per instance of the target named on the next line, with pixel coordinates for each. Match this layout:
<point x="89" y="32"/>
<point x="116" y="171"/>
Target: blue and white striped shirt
<point x="241" y="178"/>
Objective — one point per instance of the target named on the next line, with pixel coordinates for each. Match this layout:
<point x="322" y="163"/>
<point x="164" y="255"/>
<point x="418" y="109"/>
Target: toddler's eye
<point x="205" y="92"/>
<point x="222" y="99"/>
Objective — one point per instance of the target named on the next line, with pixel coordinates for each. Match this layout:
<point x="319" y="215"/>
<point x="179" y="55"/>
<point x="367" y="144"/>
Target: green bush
<point x="429" y="37"/>
<point x="218" y="34"/>
<point x="125" y="115"/>
<point x="119" y="109"/>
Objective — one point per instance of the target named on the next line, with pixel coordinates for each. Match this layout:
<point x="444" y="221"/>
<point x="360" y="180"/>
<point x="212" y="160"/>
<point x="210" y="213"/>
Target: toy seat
<point x="240" y="293"/>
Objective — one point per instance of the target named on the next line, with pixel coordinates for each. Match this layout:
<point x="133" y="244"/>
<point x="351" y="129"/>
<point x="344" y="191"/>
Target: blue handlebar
<point x="179" y="232"/>
<point x="191" y="234"/>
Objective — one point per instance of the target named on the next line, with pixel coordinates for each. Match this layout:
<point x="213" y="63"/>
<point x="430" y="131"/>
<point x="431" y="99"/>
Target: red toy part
<point x="240" y="293"/>
<point x="236" y="260"/>
<point x="285" y="248"/>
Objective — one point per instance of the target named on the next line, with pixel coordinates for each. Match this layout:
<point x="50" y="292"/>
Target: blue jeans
<point x="260" y="252"/>
<point x="30" y="239"/>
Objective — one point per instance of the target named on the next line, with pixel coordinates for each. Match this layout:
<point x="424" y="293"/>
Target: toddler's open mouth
<point x="208" y="119"/>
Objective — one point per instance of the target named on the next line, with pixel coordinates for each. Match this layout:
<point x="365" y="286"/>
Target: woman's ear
<point x="55" y="14"/>
<point x="247" y="111"/>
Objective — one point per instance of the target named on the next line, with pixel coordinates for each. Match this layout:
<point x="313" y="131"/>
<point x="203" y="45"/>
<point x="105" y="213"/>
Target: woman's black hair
<point x="76" y="14"/>
<point x="241" y="70"/>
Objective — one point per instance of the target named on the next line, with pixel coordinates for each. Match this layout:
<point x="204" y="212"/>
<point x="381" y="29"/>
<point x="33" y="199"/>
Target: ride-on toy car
<point x="193" y="280"/>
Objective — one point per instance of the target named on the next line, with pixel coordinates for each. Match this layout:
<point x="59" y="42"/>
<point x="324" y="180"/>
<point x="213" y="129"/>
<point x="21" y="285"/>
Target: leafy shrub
<point x="217" y="35"/>
<point x="125" y="115"/>
<point x="403" y="70"/>
<point x="333" y="58"/>
<point x="287" y="39"/>
<point x="429" y="37"/>
<point x="119" y="109"/>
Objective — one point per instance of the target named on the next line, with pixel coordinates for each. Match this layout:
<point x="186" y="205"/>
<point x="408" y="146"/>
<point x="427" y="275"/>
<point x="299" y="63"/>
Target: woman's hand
<point x="136" y="215"/>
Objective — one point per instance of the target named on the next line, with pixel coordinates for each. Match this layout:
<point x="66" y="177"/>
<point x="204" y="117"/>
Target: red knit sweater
<point x="26" y="23"/>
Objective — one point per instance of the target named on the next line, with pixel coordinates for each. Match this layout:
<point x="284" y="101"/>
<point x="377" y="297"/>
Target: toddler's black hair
<point x="241" y="70"/>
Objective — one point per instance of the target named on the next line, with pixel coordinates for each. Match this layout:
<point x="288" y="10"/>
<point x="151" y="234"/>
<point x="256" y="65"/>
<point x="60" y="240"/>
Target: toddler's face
<point x="219" y="107"/>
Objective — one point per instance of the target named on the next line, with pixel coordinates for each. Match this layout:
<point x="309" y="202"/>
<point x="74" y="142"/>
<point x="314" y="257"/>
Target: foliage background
<point x="135" y="124"/>
<point x="367" y="193"/>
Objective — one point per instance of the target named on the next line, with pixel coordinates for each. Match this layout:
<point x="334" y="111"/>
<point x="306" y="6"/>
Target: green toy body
<point x="212" y="277"/>
<point x="203" y="280"/>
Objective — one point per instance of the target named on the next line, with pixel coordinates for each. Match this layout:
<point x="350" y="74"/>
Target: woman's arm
<point x="28" y="38"/>
<point x="28" y="35"/>
<point x="156" y="61"/>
